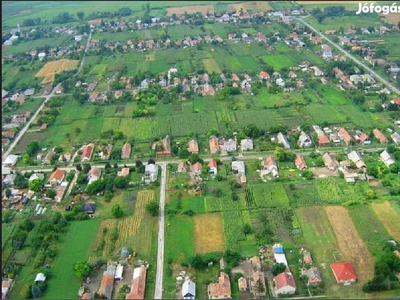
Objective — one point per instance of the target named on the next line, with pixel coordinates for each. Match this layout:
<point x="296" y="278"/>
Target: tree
<point x="278" y="268"/>
<point x="247" y="229"/>
<point x="251" y="130"/>
<point x="20" y="181"/>
<point x="80" y="15"/>
<point x="36" y="292"/>
<point x="152" y="208"/>
<point x="95" y="187"/>
<point x="116" y="211"/>
<point x="81" y="269"/>
<point x="50" y="193"/>
<point x="36" y="185"/>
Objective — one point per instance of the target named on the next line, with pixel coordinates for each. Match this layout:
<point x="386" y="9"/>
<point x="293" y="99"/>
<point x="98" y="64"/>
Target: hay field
<point x="209" y="233"/>
<point x="391" y="18"/>
<point x="211" y="65"/>
<point x="254" y="6"/>
<point x="150" y="57"/>
<point x="54" y="67"/>
<point x="388" y="217"/>
<point x="190" y="9"/>
<point x="350" y="243"/>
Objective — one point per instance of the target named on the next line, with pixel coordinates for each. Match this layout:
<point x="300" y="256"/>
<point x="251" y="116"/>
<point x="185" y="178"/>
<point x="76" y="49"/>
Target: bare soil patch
<point x="391" y="18"/>
<point x="350" y="242"/>
<point x="324" y="172"/>
<point x="190" y="9"/>
<point x="54" y="67"/>
<point x="209" y="233"/>
<point x="253" y="6"/>
<point x="389" y="218"/>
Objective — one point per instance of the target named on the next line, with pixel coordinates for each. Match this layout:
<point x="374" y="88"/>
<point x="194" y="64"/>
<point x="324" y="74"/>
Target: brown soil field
<point x="190" y="9"/>
<point x="254" y="6"/>
<point x="350" y="242"/>
<point x="54" y="67"/>
<point x="209" y="233"/>
<point x="391" y="18"/>
<point x="389" y="218"/>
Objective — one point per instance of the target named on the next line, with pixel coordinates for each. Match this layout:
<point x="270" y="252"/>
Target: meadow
<point x="80" y="235"/>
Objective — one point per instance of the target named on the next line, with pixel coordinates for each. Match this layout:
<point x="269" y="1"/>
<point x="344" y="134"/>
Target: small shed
<point x="124" y="252"/>
<point x="25" y="200"/>
<point x="89" y="208"/>
<point x="118" y="272"/>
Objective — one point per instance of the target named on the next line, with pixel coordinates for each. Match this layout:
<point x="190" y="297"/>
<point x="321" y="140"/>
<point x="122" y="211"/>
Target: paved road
<point x="23" y="130"/>
<point x="356" y="60"/>
<point x="84" y="53"/>
<point x="161" y="240"/>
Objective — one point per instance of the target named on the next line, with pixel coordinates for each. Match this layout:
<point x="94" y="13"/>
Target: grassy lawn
<point x="81" y="235"/>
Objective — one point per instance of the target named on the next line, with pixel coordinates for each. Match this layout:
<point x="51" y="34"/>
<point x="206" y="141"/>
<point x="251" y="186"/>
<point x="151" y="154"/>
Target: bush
<point x="152" y="208"/>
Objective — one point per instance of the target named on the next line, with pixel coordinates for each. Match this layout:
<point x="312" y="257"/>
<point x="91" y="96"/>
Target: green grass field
<point x="76" y="247"/>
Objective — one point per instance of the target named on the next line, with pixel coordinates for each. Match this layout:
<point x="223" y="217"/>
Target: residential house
<point x="126" y="151"/>
<point x="87" y="152"/>
<point x="66" y="157"/>
<point x="124" y="172"/>
<point x="8" y="134"/>
<point x="6" y="286"/>
<point x="34" y="176"/>
<point x="269" y="164"/>
<point x="235" y="77"/>
<point x="344" y="272"/>
<point x="337" y="72"/>
<point x="94" y="174"/>
<point x="344" y="135"/>
<point x="304" y="140"/>
<point x="242" y="282"/>
<point x="107" y="281"/>
<point x="395" y="137"/>
<point x="59" y="193"/>
<point x="282" y="139"/>
<point x="284" y="284"/>
<point x="196" y="168"/>
<point x="229" y="145"/>
<point x="238" y="168"/>
<point x="307" y="259"/>
<point x="166" y="147"/>
<point x="246" y="144"/>
<point x="220" y="289"/>
<point x="10" y="160"/>
<point x="138" y="285"/>
<point x="313" y="275"/>
<point x="387" y="158"/>
<point x="193" y="146"/>
<point x="48" y="157"/>
<point x="151" y="172"/>
<point x="257" y="285"/>
<point x="280" y="82"/>
<point x="56" y="177"/>
<point x="89" y="208"/>
<point x="323" y="140"/>
<point x="213" y="168"/>
<point x="356" y="158"/>
<point x="264" y="75"/>
<point x="9" y="179"/>
<point x="300" y="162"/>
<point x="188" y="289"/>
<point x="93" y="96"/>
<point x="214" y="145"/>
<point x="182" y="167"/>
<point x="330" y="162"/>
<point x="364" y="139"/>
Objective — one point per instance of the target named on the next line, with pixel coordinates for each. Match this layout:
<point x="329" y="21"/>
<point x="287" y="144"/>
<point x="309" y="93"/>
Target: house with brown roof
<point x="93" y="174"/>
<point x="323" y="140"/>
<point x="235" y="77"/>
<point x="344" y="135"/>
<point x="220" y="289"/>
<point x="364" y="139"/>
<point x="182" y="167"/>
<point x="344" y="272"/>
<point x="300" y="162"/>
<point x="264" y="75"/>
<point x="166" y="147"/>
<point x="269" y="164"/>
<point x="138" y="285"/>
<point x="126" y="151"/>
<point x="242" y="282"/>
<point x="193" y="146"/>
<point x="313" y="275"/>
<point x="48" y="157"/>
<point x="214" y="145"/>
<point x="380" y="136"/>
<point x="43" y="127"/>
<point x="213" y="167"/>
<point x="93" y="96"/>
<point x="107" y="281"/>
<point x="124" y="172"/>
<point x="330" y="162"/>
<point x="8" y="134"/>
<point x="87" y="152"/>
<point x="196" y="168"/>
<point x="56" y="177"/>
<point x="284" y="284"/>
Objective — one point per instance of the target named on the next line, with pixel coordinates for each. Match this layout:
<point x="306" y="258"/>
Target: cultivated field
<point x="253" y="6"/>
<point x="190" y="9"/>
<point x="211" y="65"/>
<point x="391" y="18"/>
<point x="389" y="218"/>
<point x="54" y="67"/>
<point x="208" y="232"/>
<point x="350" y="243"/>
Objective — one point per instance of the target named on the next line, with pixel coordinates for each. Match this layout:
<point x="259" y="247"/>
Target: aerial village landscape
<point x="200" y="150"/>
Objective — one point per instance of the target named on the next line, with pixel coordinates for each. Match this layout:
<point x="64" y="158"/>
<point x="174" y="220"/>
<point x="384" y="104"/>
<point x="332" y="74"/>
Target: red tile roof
<point x="87" y="152"/>
<point x="345" y="135"/>
<point x="220" y="289"/>
<point x="284" y="279"/>
<point x="212" y="164"/>
<point x="138" y="284"/>
<point x="380" y="136"/>
<point x="57" y="174"/>
<point x="300" y="162"/>
<point x="323" y="139"/>
<point x="264" y="74"/>
<point x="363" y="138"/>
<point x="343" y="271"/>
<point x="126" y="151"/>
